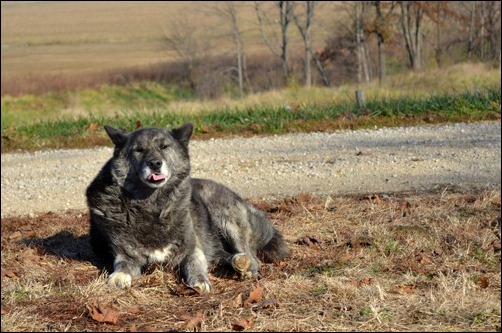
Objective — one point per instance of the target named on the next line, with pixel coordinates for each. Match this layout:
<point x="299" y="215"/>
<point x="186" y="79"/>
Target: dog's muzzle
<point x="155" y="173"/>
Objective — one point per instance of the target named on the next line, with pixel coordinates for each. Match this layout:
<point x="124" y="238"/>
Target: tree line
<point x="367" y="38"/>
<point x="243" y="47"/>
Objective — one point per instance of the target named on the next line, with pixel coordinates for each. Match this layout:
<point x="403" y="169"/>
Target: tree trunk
<point x="305" y="31"/>
<point x="472" y="33"/>
<point x="322" y="71"/>
<point x="382" y="69"/>
<point x="284" y="19"/>
<point x="411" y="18"/>
<point x="438" y="52"/>
<point x="285" y="13"/>
<point x="362" y="61"/>
<point x="236" y="37"/>
<point x="308" y="43"/>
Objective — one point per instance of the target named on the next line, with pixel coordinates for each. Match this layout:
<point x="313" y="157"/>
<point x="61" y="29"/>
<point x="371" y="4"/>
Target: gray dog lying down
<point x="144" y="207"/>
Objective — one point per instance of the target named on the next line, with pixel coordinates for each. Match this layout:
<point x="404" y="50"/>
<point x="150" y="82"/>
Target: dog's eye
<point x="138" y="150"/>
<point x="163" y="146"/>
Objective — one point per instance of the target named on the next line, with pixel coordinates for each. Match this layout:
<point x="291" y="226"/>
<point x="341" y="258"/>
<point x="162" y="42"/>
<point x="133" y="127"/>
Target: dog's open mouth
<point x="156" y="177"/>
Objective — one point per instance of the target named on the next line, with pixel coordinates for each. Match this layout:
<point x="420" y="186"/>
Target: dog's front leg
<point x="124" y="269"/>
<point x="194" y="271"/>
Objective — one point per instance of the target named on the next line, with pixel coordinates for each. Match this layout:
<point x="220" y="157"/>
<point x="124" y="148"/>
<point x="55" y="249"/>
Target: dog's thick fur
<point x="144" y="207"/>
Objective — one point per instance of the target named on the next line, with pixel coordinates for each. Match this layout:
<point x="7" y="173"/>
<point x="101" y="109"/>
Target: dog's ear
<point x="119" y="137"/>
<point x="183" y="133"/>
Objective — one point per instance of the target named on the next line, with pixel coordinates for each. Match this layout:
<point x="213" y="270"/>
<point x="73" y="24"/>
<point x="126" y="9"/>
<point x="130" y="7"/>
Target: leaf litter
<point x="380" y="262"/>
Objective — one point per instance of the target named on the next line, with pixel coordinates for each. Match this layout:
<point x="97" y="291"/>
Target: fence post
<point x="361" y="103"/>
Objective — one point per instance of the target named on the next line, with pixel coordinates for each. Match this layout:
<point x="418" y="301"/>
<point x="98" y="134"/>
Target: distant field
<point x="73" y="36"/>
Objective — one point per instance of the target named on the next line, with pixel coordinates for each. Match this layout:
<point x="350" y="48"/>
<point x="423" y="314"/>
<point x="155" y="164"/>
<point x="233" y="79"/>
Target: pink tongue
<point x="156" y="177"/>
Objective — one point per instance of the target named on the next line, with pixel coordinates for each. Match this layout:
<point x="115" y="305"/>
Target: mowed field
<point x="40" y="37"/>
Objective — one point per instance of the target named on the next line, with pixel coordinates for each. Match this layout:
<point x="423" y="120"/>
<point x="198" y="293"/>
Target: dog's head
<point x="154" y="155"/>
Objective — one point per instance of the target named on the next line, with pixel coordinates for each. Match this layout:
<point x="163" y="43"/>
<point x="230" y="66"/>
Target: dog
<point x="144" y="208"/>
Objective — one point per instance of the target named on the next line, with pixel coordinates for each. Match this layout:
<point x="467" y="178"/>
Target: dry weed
<point x="382" y="262"/>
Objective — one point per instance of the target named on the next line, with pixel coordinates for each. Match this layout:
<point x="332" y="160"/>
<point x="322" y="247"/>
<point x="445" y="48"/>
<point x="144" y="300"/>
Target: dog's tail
<point x="275" y="250"/>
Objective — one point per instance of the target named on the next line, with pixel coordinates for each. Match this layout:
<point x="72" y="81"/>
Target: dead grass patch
<point x="381" y="262"/>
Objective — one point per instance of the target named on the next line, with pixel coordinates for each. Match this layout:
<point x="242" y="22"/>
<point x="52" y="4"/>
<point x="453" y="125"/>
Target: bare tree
<point x="305" y="29"/>
<point x="228" y="10"/>
<point x="285" y="18"/>
<point x="491" y="11"/>
<point x="382" y="27"/>
<point x="412" y="14"/>
<point x="188" y="47"/>
<point x="363" y="71"/>
<point x="472" y="30"/>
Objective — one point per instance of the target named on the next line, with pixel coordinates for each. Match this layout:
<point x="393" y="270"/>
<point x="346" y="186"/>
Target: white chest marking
<point x="161" y="255"/>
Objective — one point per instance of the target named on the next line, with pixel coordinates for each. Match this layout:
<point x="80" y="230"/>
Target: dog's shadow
<point x="65" y="245"/>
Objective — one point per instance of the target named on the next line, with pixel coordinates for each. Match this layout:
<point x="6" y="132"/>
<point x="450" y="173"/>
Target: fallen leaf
<point x="185" y="290"/>
<point x="496" y="202"/>
<point x="375" y="199"/>
<point x="192" y="322"/>
<point x="495" y="245"/>
<point x="237" y="301"/>
<point x="133" y="310"/>
<point x="310" y="241"/>
<point x="255" y="296"/>
<point x="482" y="282"/>
<point x="103" y="314"/>
<point x="266" y="304"/>
<point x="16" y="235"/>
<point x="138" y="124"/>
<point x="404" y="289"/>
<point x="9" y="274"/>
<point x="405" y="208"/>
<point x="304" y="198"/>
<point x="365" y="281"/>
<point x="281" y="263"/>
<point x="346" y="257"/>
<point x="358" y="242"/>
<point x="93" y="127"/>
<point x="254" y="127"/>
<point x="471" y="199"/>
<point x="243" y="324"/>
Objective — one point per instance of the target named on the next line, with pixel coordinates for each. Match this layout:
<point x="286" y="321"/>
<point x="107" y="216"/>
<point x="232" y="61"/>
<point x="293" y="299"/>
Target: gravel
<point x="339" y="163"/>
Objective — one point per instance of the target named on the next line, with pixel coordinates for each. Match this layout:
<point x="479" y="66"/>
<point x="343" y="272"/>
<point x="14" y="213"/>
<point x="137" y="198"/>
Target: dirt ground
<point x="423" y="261"/>
<point x="390" y="230"/>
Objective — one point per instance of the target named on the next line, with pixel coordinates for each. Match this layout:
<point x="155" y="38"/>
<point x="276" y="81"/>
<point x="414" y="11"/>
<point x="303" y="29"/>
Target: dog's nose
<point x="154" y="163"/>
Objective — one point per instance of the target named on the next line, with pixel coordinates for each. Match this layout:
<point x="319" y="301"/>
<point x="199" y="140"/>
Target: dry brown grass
<point x="387" y="262"/>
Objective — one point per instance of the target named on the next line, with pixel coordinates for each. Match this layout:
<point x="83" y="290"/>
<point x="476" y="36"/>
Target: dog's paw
<point x="120" y="280"/>
<point x="198" y="282"/>
<point x="245" y="266"/>
<point x="241" y="262"/>
<point x="203" y="287"/>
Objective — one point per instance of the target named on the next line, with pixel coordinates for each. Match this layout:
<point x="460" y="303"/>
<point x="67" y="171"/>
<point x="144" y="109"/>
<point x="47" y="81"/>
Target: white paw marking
<point x="203" y="287"/>
<point x="241" y="262"/>
<point x="120" y="280"/>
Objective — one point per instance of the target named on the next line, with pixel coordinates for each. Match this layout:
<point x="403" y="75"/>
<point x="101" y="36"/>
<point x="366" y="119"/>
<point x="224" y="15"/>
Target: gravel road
<point x="339" y="163"/>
